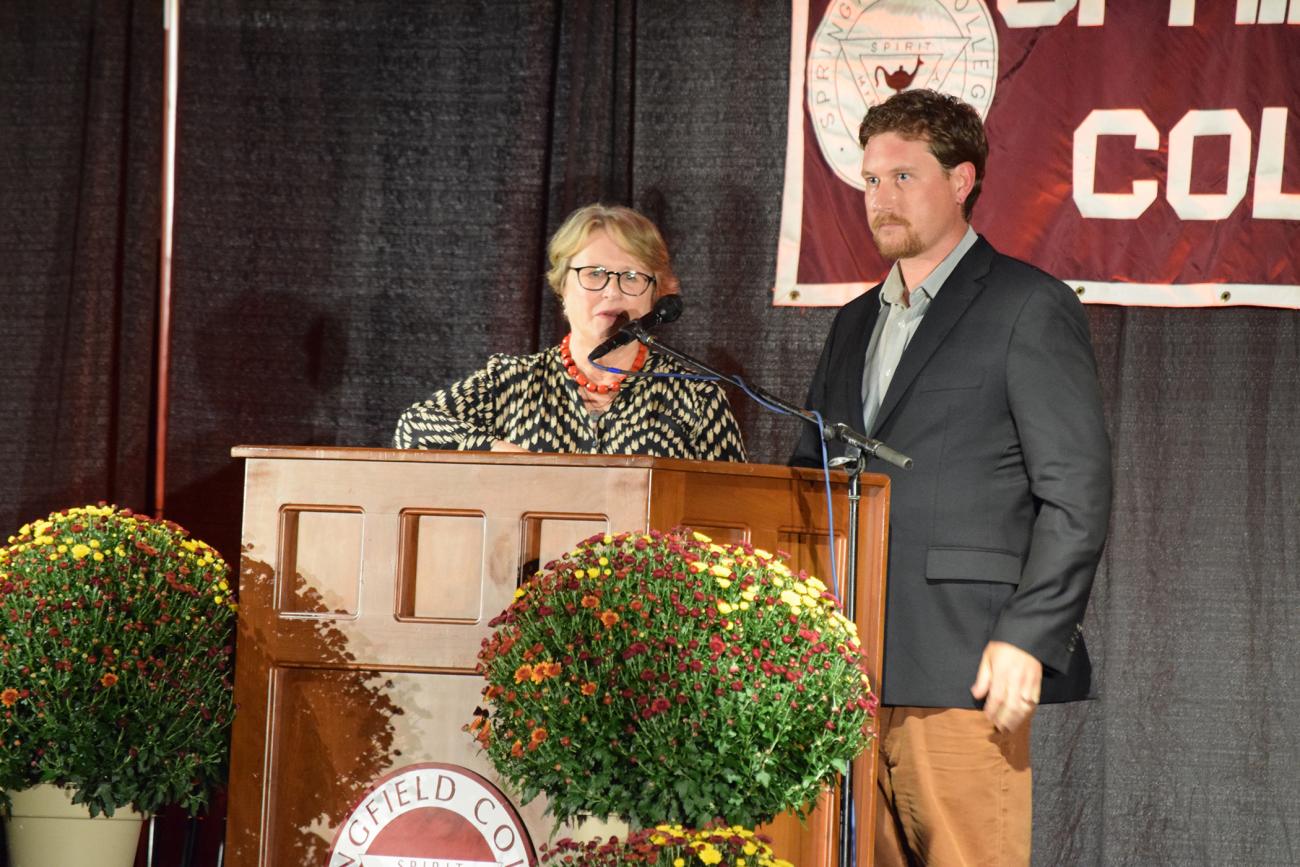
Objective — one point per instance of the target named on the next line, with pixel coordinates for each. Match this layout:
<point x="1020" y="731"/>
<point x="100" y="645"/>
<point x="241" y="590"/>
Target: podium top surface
<point x="352" y="453"/>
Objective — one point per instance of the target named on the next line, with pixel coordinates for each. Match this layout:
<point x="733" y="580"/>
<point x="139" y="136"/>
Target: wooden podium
<point x="367" y="580"/>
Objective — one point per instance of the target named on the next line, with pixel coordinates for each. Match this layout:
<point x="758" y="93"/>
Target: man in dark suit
<point x="980" y="368"/>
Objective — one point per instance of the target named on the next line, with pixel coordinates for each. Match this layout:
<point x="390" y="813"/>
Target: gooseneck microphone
<point x="666" y="309"/>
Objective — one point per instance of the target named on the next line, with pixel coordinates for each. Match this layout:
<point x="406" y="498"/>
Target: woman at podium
<point x="608" y="265"/>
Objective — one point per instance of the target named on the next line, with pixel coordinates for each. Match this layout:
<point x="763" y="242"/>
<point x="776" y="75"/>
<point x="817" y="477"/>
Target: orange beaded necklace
<point x="597" y="388"/>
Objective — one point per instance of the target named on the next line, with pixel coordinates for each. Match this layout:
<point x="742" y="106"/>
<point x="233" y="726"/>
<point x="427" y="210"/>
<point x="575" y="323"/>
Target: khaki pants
<point x="952" y="790"/>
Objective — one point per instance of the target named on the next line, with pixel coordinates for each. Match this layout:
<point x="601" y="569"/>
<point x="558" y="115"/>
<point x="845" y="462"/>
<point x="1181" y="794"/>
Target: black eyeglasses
<point x="594" y="278"/>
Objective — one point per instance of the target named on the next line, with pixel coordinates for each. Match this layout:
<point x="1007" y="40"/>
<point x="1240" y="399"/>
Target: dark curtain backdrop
<point x="79" y="150"/>
<point x="364" y="194"/>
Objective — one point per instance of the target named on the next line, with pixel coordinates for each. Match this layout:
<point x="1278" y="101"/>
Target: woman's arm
<point x="461" y="416"/>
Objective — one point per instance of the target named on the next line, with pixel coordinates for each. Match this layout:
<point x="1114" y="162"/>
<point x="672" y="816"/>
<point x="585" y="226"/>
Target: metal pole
<point x="171" y="54"/>
<point x="854" y="464"/>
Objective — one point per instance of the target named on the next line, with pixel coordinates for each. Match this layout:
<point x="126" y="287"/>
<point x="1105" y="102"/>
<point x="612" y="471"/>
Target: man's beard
<point x="904" y="247"/>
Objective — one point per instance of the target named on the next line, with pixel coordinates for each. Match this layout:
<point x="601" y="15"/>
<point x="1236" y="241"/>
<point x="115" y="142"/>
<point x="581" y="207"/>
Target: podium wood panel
<point x="367" y="580"/>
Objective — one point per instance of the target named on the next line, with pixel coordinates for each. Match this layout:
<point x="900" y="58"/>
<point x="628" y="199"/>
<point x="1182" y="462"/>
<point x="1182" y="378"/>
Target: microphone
<point x="666" y="309"/>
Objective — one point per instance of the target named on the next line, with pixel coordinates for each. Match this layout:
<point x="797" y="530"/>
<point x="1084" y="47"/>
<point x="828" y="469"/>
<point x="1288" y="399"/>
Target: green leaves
<point x="115" y="634"/>
<point x="662" y="678"/>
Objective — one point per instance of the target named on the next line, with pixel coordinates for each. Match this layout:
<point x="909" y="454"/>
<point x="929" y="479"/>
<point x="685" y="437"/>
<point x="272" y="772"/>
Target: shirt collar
<point x="892" y="290"/>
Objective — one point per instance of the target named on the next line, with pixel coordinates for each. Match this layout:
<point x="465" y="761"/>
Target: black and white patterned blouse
<point x="531" y="401"/>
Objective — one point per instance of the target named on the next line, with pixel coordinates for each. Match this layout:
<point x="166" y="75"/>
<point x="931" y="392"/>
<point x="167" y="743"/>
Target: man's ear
<point x="962" y="179"/>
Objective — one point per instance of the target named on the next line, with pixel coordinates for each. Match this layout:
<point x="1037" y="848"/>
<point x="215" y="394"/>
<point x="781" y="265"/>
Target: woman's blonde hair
<point x="630" y="229"/>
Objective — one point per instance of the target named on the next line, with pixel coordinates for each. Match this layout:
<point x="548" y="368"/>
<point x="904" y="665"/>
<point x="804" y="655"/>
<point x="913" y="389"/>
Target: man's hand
<point x="506" y="446"/>
<point x="1009" y="681"/>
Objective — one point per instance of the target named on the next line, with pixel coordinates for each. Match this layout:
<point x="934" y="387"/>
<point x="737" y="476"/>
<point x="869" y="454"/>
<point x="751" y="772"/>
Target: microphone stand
<point x="859" y="448"/>
<point x="830" y="432"/>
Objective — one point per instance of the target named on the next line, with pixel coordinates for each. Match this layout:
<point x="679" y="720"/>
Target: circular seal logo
<point x="865" y="51"/>
<point x="432" y="815"/>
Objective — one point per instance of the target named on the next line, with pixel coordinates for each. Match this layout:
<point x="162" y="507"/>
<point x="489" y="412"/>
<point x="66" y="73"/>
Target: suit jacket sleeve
<point x="1055" y="401"/>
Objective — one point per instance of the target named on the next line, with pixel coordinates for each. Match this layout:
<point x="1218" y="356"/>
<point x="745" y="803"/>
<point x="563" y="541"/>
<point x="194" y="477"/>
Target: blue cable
<point x="830" y="521"/>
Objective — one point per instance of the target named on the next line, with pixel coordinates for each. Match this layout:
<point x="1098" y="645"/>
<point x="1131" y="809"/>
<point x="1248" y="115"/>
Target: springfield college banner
<point x="1144" y="152"/>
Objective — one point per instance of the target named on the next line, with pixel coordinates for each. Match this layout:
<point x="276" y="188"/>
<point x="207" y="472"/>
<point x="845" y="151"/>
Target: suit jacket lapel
<point x="956" y="294"/>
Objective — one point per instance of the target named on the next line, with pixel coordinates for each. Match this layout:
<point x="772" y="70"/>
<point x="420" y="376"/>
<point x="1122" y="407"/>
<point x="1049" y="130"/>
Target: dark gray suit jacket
<point x="996" y="531"/>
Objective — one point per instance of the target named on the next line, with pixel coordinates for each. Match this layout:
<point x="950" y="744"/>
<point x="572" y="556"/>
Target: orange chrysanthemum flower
<point x="9" y="697"/>
<point x="109" y="679"/>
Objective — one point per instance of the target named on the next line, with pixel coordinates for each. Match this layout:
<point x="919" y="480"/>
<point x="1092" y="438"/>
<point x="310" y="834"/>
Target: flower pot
<point x="45" y="829"/>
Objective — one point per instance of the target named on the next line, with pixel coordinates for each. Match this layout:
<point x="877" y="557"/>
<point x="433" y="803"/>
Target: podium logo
<point x="433" y="815"/>
<point x="865" y="51"/>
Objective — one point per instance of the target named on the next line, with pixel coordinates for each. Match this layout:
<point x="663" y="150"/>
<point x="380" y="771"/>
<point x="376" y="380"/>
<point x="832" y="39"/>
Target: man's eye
<point x="904" y="176"/>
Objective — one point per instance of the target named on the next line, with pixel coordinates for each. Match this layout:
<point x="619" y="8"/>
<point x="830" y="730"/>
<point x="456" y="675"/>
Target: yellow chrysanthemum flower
<point x="709" y="855"/>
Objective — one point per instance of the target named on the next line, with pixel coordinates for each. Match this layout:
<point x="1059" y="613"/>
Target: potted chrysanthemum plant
<point x="663" y="678"/>
<point x="115" y="670"/>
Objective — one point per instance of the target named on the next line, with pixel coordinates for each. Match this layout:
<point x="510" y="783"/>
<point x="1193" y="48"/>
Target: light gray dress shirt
<point x="896" y="324"/>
